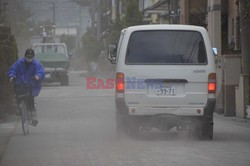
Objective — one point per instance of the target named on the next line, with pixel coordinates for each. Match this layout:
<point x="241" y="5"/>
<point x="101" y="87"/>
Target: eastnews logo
<point x="131" y="83"/>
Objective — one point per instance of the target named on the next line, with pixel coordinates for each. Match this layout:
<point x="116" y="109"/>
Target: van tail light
<point x="212" y="83"/>
<point x="120" y="82"/>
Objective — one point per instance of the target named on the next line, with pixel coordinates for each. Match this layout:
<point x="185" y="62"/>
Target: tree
<point x="3" y="5"/>
<point x="70" y="41"/>
<point x="114" y="31"/>
<point x="199" y="17"/>
<point x="8" y="54"/>
<point x="133" y="16"/>
<point x="17" y="17"/>
<point x="109" y="31"/>
<point x="91" y="46"/>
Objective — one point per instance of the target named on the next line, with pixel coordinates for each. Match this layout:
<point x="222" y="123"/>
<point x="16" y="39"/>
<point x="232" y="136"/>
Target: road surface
<point x="77" y="128"/>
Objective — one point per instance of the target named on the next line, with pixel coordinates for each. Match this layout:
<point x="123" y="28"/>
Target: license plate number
<point x="166" y="91"/>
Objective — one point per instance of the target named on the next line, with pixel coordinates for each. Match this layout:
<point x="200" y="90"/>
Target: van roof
<point x="166" y="27"/>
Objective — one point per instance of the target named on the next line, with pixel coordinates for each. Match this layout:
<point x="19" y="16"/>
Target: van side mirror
<point x="112" y="50"/>
<point x="215" y="51"/>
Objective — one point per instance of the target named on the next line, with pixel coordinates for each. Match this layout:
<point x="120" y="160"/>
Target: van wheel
<point x="64" y="79"/>
<point x="203" y="128"/>
<point x="207" y="128"/>
<point x="134" y="127"/>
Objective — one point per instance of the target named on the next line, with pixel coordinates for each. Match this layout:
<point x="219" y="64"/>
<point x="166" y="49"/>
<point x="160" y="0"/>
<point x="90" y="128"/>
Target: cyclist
<point x="28" y="71"/>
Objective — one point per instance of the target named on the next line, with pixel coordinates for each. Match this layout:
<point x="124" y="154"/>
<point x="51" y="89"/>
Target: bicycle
<point x="23" y="93"/>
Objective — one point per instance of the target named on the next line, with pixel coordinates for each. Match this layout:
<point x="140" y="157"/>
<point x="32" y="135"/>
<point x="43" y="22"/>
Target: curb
<point x="234" y="118"/>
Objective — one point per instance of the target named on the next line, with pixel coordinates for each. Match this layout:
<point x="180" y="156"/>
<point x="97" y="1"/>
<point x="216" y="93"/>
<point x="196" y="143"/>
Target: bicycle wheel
<point x="30" y="117"/>
<point x="24" y="118"/>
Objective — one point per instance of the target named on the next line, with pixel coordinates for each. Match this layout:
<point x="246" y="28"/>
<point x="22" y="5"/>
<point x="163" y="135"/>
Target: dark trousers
<point x="30" y="101"/>
<point x="23" y="90"/>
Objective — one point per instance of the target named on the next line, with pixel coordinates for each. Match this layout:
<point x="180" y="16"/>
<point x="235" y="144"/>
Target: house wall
<point x="232" y="71"/>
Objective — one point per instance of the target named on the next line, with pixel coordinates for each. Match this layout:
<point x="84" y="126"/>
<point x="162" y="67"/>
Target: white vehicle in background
<point x="165" y="78"/>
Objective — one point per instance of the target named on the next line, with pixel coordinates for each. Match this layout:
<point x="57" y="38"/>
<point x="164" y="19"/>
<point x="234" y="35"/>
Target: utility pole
<point x="98" y="15"/>
<point x="80" y="32"/>
<point x="54" y="13"/>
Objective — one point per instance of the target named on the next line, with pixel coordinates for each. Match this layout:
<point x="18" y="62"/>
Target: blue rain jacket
<point x="24" y="74"/>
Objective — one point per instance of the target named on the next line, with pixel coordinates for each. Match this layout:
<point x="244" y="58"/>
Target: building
<point x="221" y="18"/>
<point x="157" y="13"/>
<point x="163" y="12"/>
<point x="143" y="4"/>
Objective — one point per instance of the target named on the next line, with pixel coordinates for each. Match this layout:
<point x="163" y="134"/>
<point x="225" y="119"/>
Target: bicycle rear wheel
<point x="24" y="118"/>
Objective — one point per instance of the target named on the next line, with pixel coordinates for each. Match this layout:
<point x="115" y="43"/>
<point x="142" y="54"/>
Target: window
<point x="166" y="47"/>
<point x="50" y="49"/>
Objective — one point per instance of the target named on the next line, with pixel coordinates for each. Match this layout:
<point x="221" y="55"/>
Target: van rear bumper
<point x="126" y="110"/>
<point x="167" y="111"/>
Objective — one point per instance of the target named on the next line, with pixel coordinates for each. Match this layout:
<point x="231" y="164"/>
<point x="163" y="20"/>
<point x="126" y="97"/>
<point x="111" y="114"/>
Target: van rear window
<point x="166" y="47"/>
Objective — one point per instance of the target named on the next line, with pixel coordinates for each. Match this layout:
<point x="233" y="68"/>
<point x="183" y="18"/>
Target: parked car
<point x="165" y="78"/>
<point x="55" y="59"/>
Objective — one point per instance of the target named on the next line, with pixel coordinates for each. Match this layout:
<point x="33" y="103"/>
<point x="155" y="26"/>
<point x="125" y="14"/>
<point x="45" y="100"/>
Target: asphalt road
<point x="77" y="128"/>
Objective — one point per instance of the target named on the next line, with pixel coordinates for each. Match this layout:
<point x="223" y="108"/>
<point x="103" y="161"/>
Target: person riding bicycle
<point x="28" y="71"/>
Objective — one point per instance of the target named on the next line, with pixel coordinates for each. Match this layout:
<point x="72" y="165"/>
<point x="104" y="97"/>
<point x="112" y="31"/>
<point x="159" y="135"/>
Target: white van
<point x="165" y="78"/>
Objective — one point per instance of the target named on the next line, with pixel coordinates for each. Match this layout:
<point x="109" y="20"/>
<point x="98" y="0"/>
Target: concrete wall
<point x="232" y="68"/>
<point x="240" y="100"/>
<point x="232" y="71"/>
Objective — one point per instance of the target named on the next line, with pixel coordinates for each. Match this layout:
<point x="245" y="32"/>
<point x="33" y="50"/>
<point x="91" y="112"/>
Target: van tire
<point x="207" y="128"/>
<point x="64" y="79"/>
<point x="203" y="128"/>
<point x="134" y="127"/>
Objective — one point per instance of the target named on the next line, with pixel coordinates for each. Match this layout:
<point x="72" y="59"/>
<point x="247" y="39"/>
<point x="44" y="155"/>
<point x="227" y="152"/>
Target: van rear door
<point x="166" y="68"/>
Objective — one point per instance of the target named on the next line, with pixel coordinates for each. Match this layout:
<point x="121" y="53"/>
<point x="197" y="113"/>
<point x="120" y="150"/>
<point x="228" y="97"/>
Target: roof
<point x="166" y="27"/>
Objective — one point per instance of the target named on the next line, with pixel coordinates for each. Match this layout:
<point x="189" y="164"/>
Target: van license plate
<point x="166" y="91"/>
